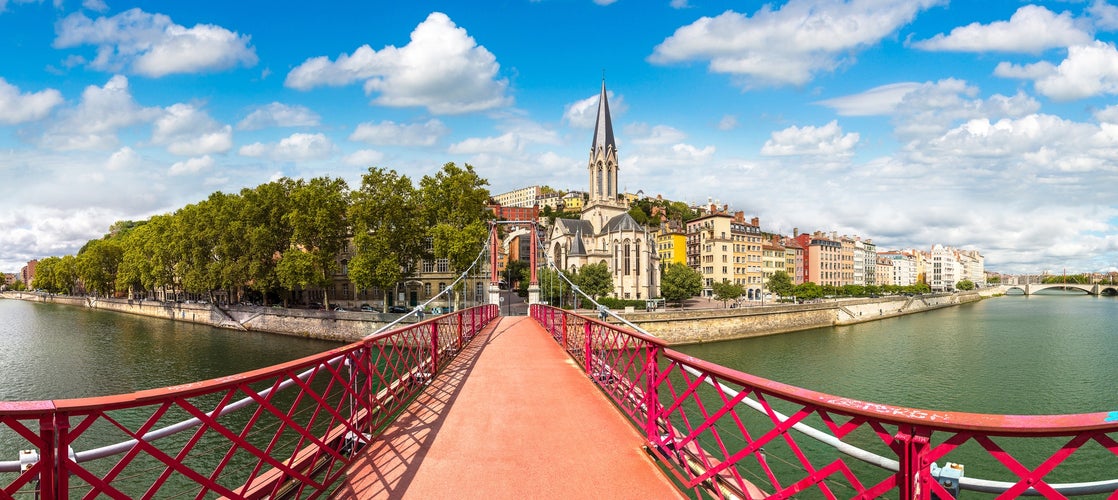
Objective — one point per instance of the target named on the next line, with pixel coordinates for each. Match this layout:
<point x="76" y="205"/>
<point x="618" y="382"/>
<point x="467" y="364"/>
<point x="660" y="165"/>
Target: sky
<point x="986" y="125"/>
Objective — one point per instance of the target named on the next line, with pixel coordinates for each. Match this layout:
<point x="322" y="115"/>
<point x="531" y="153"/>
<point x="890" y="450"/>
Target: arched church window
<point x="637" y="251"/>
<point x="598" y="185"/>
<point x="627" y="258"/>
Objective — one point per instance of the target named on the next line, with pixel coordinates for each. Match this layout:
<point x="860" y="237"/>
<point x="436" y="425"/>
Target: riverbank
<point x="339" y="326"/>
<point x="712" y="325"/>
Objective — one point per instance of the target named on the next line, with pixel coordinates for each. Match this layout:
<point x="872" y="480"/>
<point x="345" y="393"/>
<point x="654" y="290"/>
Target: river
<point x="1050" y="353"/>
<point x="50" y="351"/>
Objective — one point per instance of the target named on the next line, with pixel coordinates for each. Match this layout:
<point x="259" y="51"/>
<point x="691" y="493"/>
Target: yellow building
<point x="671" y="244"/>
<point x="572" y="202"/>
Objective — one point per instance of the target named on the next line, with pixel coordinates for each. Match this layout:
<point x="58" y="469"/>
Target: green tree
<point x="994" y="279"/>
<point x="266" y="234"/>
<point x="595" y="280"/>
<point x="97" y="264"/>
<point x="726" y="291"/>
<point x="781" y="284"/>
<point x="679" y="282"/>
<point x="964" y="285"/>
<point x="388" y="236"/>
<point x="808" y="291"/>
<point x="317" y="216"/>
<point x="454" y="207"/>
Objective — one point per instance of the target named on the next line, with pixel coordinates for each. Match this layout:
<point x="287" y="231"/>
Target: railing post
<point x="651" y="396"/>
<point x="460" y="318"/>
<point x="586" y="360"/>
<point x="563" y="320"/>
<point x="911" y="446"/>
<point x="434" y="347"/>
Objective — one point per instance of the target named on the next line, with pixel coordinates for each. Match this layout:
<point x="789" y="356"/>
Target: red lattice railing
<point x="726" y="434"/>
<point x="284" y="431"/>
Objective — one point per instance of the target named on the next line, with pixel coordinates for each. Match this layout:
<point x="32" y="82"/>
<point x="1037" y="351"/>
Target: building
<point x="573" y="201"/>
<point x="773" y="255"/>
<point x="883" y="271"/>
<point x="605" y="232"/>
<point x="515" y="213"/>
<point x="27" y="273"/>
<point x="944" y="269"/>
<point x="671" y="243"/>
<point x="523" y="197"/>
<point x="903" y="268"/>
<point x="793" y="260"/>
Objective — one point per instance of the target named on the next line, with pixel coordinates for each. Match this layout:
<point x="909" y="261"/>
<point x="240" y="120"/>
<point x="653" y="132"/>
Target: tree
<point x="454" y="208"/>
<point x="808" y="291"/>
<point x="595" y="280"/>
<point x="97" y="265"/>
<point x="317" y="216"/>
<point x="994" y="280"/>
<point x="964" y="285"/>
<point x="679" y="282"/>
<point x="388" y="234"/>
<point x="781" y="284"/>
<point x="726" y="291"/>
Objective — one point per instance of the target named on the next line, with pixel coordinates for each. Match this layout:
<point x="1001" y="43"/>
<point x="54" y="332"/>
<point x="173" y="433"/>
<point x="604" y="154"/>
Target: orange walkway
<point x="511" y="417"/>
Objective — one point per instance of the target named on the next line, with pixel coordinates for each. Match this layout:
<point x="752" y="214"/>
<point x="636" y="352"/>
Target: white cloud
<point x="642" y="134"/>
<point x="95" y="5"/>
<point x="584" y="112"/>
<point x="442" y="69"/>
<point x="93" y="124"/>
<point x="1088" y="71"/>
<point x="188" y="131"/>
<point x="1031" y="29"/>
<point x="882" y="100"/>
<point x="508" y="143"/>
<point x="16" y="107"/>
<point x="279" y="115"/>
<point x="296" y="147"/>
<point x="123" y="159"/>
<point x="679" y="4"/>
<point x="1108" y="114"/>
<point x="363" y="158"/>
<point x="152" y="45"/>
<point x="810" y="140"/>
<point x="788" y="45"/>
<point x="389" y="133"/>
<point x="191" y="166"/>
<point x="728" y="122"/>
<point x="1104" y="15"/>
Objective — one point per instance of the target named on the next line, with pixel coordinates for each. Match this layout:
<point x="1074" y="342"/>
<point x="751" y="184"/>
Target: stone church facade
<point x="606" y="232"/>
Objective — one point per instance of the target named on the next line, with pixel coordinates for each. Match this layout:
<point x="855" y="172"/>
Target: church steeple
<point x="603" y="156"/>
<point x="603" y="127"/>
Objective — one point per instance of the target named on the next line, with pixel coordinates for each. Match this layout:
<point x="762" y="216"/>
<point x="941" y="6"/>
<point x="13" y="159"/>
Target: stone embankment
<point x="341" y="326"/>
<point x="711" y="325"/>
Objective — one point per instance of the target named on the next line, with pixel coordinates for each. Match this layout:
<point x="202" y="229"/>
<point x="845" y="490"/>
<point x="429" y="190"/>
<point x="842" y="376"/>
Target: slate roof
<point x="603" y="126"/>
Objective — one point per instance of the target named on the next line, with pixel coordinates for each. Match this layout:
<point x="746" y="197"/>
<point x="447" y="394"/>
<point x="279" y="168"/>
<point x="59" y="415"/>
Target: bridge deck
<point x="512" y="417"/>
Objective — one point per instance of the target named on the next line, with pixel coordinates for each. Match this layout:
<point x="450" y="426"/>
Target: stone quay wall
<point x="340" y="326"/>
<point x="712" y="325"/>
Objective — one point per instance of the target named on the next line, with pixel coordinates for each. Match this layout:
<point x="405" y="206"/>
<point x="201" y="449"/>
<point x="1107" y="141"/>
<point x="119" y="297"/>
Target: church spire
<point x="603" y="127"/>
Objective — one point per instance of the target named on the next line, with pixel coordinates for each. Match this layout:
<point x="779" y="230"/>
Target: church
<point x="606" y="232"/>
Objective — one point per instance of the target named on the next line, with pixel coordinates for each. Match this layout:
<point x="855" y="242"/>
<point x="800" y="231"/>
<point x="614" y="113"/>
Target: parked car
<point x="339" y="308"/>
<point x="366" y="308"/>
<point x="399" y="309"/>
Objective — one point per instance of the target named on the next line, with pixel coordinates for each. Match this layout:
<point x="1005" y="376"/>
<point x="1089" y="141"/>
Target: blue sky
<point x="988" y="125"/>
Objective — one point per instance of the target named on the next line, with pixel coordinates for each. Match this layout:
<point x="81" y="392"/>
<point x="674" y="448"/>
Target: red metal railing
<point x="727" y="434"/>
<point x="288" y="430"/>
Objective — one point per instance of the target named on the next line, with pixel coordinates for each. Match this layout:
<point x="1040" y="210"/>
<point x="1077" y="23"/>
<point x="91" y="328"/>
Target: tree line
<point x="286" y="235"/>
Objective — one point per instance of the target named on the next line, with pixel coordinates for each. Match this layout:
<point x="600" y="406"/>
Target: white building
<point x="523" y="197"/>
<point x="605" y="232"/>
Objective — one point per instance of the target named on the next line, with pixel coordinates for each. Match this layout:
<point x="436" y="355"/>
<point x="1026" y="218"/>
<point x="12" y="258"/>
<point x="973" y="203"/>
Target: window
<point x="428" y="266"/>
<point x="426" y="289"/>
<point x="444" y="264"/>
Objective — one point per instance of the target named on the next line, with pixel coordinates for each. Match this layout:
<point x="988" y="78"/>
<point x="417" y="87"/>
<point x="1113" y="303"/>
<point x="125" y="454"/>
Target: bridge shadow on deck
<point x="388" y="466"/>
<point x="512" y="416"/>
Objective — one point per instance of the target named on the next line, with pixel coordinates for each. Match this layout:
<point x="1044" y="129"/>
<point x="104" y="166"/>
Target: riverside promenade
<point x="512" y="417"/>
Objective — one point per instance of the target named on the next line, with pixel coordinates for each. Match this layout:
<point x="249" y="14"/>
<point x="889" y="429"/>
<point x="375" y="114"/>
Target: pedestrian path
<point x="511" y="417"/>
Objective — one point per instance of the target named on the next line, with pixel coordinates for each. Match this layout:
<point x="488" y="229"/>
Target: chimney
<point x="756" y="222"/>
<point x="795" y="232"/>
